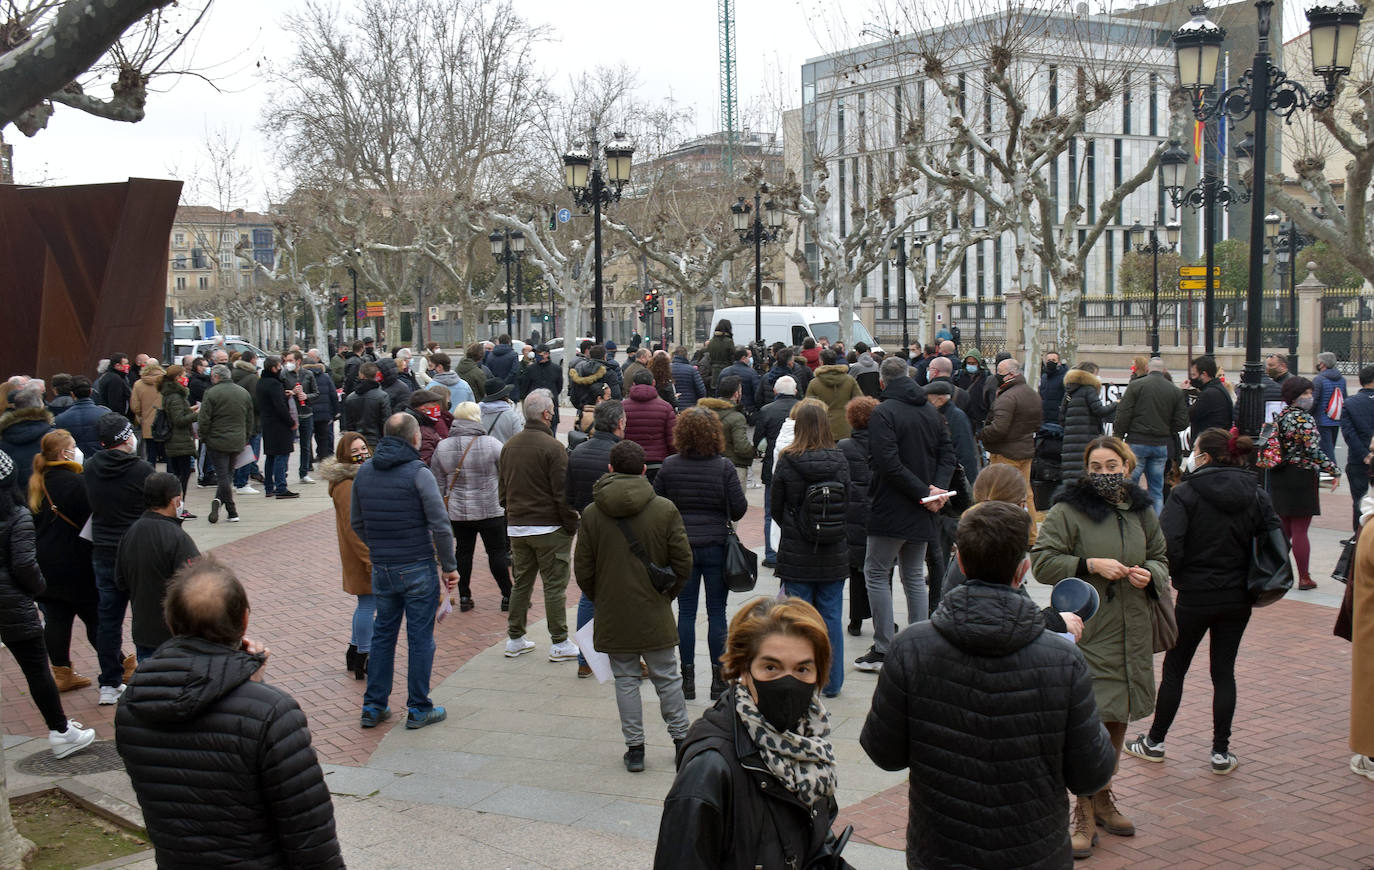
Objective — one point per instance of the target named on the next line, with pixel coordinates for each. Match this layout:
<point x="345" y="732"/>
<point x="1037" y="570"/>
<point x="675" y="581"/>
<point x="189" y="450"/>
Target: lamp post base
<point x="1250" y="399"/>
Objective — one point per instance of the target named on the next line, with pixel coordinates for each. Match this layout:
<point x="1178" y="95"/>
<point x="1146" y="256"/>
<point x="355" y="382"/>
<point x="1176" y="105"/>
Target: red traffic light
<point x="343" y="300"/>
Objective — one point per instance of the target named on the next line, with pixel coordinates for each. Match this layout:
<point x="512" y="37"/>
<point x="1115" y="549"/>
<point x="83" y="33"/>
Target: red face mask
<point x="184" y="381"/>
<point x="378" y="379"/>
<point x="432" y="413"/>
<point x="122" y="367"/>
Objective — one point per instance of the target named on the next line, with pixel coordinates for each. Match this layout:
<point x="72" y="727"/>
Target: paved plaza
<point x="527" y="773"/>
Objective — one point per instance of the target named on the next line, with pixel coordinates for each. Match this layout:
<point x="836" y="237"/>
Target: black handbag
<point x="741" y="564"/>
<point x="662" y="579"/>
<point x="1341" y="573"/>
<point x="1271" y="573"/>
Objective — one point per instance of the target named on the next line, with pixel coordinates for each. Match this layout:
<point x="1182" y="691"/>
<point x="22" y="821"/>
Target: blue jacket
<point x="749" y="382"/>
<point x="80" y="420"/>
<point x="504" y="363"/>
<point x="1327" y="382"/>
<point x="1357" y="425"/>
<point x="1051" y="392"/>
<point x="687" y="380"/>
<point x="396" y="508"/>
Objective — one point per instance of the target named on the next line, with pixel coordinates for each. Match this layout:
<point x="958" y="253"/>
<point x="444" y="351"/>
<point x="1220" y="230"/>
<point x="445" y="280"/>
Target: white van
<point x="791" y="324"/>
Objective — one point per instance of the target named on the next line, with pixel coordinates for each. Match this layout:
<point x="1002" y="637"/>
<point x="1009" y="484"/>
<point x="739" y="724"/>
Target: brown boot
<point x="1109" y="817"/>
<point x="1084" y="834"/>
<point x="68" y="679"/>
<point x="130" y="664"/>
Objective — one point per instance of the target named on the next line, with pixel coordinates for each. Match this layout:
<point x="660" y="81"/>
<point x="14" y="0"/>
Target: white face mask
<point x="290" y="367"/>
<point x="1190" y="463"/>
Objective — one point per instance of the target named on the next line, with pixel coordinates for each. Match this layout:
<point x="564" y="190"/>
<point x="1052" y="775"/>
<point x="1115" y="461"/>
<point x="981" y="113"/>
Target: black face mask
<point x="784" y="701"/>
<point x="1051" y="367"/>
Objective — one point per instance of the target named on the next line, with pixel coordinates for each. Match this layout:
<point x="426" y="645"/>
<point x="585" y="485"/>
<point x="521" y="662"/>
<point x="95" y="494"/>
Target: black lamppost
<point x="749" y="223"/>
<point x="1263" y="89"/>
<point x="1293" y="241"/>
<point x="351" y="256"/>
<point x="508" y="246"/>
<point x="339" y="311"/>
<point x="595" y="184"/>
<point x="896" y="254"/>
<point x="1154" y="247"/>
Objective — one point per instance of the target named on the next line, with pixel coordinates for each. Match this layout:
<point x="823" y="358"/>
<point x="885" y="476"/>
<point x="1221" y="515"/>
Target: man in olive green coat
<point x="835" y="386"/>
<point x="633" y="619"/>
<point x="739" y="449"/>
<point x="226" y="423"/>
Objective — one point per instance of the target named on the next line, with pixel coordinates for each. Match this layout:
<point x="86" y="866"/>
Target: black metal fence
<point x="1348" y="327"/>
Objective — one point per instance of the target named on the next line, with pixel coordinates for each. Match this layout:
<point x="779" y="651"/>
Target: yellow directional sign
<point x="1198" y="271"/>
<point x="1195" y="284"/>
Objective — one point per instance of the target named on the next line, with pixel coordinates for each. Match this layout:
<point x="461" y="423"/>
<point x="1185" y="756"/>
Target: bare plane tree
<point x="66" y="52"/>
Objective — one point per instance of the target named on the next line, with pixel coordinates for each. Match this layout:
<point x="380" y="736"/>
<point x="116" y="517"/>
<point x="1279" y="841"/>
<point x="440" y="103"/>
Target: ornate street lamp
<point x="507" y="247"/>
<point x="1154" y="247"/>
<point x="896" y="254"/>
<point x="757" y="223"/>
<point x="351" y="255"/>
<point x="593" y="184"/>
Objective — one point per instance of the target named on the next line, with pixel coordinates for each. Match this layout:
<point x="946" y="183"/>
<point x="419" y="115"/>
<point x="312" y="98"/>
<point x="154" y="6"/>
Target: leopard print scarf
<point x="803" y="762"/>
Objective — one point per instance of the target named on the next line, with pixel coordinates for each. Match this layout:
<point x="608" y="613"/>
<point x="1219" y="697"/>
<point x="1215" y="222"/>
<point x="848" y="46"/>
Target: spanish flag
<point x="1197" y="141"/>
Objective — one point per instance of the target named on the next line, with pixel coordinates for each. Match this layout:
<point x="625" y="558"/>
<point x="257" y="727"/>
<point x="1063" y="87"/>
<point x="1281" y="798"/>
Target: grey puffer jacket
<point x="982" y="794"/>
<point x="471" y="494"/>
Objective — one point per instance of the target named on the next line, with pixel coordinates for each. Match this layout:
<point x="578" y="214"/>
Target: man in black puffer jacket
<point x="197" y="720"/>
<point x="590" y="460"/>
<point x="993" y="716"/>
<point x="367" y="407"/>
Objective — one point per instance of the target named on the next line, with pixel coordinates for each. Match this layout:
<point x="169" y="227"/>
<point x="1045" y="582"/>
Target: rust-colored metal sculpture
<point x="83" y="273"/>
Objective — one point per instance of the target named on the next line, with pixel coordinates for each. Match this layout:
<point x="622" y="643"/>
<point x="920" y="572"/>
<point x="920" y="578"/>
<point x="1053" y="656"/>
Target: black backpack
<point x="161" y="430"/>
<point x="820" y="516"/>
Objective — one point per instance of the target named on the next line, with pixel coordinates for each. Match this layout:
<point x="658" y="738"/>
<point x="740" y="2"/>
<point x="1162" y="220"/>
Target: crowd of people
<point x="921" y="466"/>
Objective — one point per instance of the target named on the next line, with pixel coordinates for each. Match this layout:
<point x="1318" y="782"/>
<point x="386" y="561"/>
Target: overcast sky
<point x="671" y="45"/>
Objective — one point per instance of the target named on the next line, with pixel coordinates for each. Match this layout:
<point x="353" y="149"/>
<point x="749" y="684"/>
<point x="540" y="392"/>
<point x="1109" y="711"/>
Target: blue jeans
<point x="275" y="472"/>
<point x="768" y="552"/>
<point x="586" y="609"/>
<point x="364" y="614"/>
<point x="109" y="634"/>
<point x="708" y="565"/>
<point x="411" y="590"/>
<point x="828" y="599"/>
<point x="1328" y="440"/>
<point x="1150" y="460"/>
<point x="241" y="475"/>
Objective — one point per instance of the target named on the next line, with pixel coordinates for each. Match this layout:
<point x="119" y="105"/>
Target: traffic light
<point x="341" y="307"/>
<point x="644" y="314"/>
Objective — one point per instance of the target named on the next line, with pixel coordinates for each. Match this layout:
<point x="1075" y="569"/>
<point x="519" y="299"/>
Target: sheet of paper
<point x="86" y="531"/>
<point x="245" y="457"/>
<point x="600" y="662"/>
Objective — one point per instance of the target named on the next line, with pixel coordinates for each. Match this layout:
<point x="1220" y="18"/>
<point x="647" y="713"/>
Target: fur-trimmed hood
<point x="334" y="471"/>
<point x="717" y="404"/>
<point x="1081" y="378"/>
<point x="240" y="365"/>
<point x="1082" y="497"/>
<point x="15" y="416"/>
<point x="587" y="372"/>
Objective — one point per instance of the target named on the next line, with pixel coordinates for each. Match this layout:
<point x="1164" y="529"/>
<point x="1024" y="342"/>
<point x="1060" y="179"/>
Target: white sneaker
<point x="1363" y="765"/>
<point x="234" y="519"/>
<point x="518" y="646"/>
<point x="110" y="694"/>
<point x="307" y="479"/>
<point x="562" y="652"/>
<point x="246" y="489"/>
<point x="74" y="739"/>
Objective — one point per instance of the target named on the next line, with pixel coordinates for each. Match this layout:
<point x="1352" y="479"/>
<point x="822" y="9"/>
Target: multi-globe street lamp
<point x="596" y="180"/>
<point x="507" y="247"/>
<point x="1154" y="247"/>
<point x="896" y="254"/>
<point x="1287" y="234"/>
<point x="350" y="256"/>
<point x="756" y="224"/>
<point x="1264" y="88"/>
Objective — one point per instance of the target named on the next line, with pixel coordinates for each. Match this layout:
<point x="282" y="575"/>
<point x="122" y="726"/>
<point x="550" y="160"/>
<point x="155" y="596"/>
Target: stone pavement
<point x="527" y="771"/>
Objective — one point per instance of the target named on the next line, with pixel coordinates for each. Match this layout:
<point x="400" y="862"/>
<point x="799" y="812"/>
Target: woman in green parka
<point x="1105" y="531"/>
<point x="180" y="449"/>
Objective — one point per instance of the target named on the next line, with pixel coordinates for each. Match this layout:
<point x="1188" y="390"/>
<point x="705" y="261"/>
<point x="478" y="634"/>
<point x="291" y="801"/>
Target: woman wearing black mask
<point x="1105" y="531"/>
<point x="756" y="776"/>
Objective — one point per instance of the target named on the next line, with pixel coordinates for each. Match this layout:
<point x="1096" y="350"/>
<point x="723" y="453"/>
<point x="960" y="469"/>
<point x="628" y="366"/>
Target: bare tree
<point x="60" y="51"/>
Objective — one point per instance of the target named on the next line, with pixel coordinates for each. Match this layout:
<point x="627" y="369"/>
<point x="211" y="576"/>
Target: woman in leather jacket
<point x="756" y="775"/>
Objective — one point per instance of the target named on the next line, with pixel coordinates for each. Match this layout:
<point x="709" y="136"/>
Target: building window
<point x="181" y="283"/>
<point x="997" y="264"/>
<point x="987" y="108"/>
<point x="1083" y="278"/>
<point x="888" y="269"/>
<point x="863" y="123"/>
<point x="179" y="239"/>
<point x="978" y="277"/>
<point x="843" y="209"/>
<point x="963" y="275"/>
<point x="1111" y="266"/>
<point x="839" y="126"/>
<point x="1126" y="108"/>
<point x="897" y="115"/>
<point x="198" y="258"/>
<point x="203" y="282"/>
<point x="854" y="182"/>
<point x="179" y="262"/>
<point x="921" y="116"/>
<point x="1090" y="169"/>
<point x="1054" y="186"/>
<point x="1073" y="171"/>
<point x="1154" y="104"/>
<point x="1116" y="175"/>
<point x="1054" y="88"/>
<point x="963" y="95"/>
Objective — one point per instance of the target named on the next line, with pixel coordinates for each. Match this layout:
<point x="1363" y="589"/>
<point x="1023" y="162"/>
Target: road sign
<point x="1195" y="284"/>
<point x="669" y="303"/>
<point x="434" y="312"/>
<point x="1198" y="272"/>
<point x="564" y="215"/>
<point x="376" y="309"/>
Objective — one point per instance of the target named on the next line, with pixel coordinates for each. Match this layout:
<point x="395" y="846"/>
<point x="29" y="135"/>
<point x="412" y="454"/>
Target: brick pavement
<point x="1293" y="802"/>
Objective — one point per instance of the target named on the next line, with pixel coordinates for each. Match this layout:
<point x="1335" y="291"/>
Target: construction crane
<point x="729" y="97"/>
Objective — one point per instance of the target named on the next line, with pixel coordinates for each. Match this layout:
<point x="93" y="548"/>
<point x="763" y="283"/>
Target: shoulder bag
<point x="662" y="579"/>
<point x="52" y="505"/>
<point x="1163" y="623"/>
<point x="1345" y="563"/>
<point x="741" y="563"/>
<point x="457" y="471"/>
<point x="1271" y="573"/>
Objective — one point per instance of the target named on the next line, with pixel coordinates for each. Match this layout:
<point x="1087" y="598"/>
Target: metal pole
<point x="1209" y="205"/>
<point x="505" y="258"/>
<point x="1250" y="399"/>
<point x="1154" y="297"/>
<point x="1292" y="296"/>
<point x="758" y="271"/>
<point x="901" y="293"/>
<point x="353" y="273"/>
<point x="598" y="318"/>
<point x="519" y="294"/>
